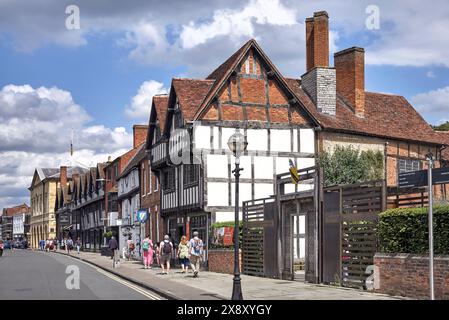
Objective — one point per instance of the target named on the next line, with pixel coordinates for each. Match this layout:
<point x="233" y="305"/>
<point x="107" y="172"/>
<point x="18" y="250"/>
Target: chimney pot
<point x="317" y="40"/>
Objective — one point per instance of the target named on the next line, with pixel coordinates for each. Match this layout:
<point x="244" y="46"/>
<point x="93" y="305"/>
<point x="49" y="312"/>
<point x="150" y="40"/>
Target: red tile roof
<point x="387" y="116"/>
<point x="191" y="93"/>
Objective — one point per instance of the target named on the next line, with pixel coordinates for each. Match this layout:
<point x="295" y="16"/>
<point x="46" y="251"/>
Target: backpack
<point x="166" y="249"/>
<point x="145" y="245"/>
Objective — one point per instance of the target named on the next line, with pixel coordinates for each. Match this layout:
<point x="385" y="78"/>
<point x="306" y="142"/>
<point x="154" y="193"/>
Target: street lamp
<point x="430" y="159"/>
<point x="237" y="144"/>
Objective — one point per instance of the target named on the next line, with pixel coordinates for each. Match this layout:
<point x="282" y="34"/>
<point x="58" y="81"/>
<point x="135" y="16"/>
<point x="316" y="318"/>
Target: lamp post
<point x="430" y="159"/>
<point x="237" y="144"/>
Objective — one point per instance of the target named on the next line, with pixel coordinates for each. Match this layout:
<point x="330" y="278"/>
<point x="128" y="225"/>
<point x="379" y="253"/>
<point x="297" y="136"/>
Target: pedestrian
<point x="166" y="248"/>
<point x="1" y="247"/>
<point x="69" y="245"/>
<point x="113" y="246"/>
<point x="183" y="254"/>
<point x="78" y="245"/>
<point x="196" y="253"/>
<point x="147" y="248"/>
<point x="55" y="244"/>
<point x="131" y="247"/>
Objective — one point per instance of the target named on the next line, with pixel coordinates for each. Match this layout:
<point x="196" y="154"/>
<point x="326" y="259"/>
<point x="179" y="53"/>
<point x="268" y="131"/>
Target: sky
<point x="96" y="78"/>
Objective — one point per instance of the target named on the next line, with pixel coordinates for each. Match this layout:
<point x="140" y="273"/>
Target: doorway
<point x="299" y="245"/>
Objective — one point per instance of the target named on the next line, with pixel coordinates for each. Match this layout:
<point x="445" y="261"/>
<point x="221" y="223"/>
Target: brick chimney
<point x="317" y="40"/>
<point x="139" y="134"/>
<point x="350" y="67"/>
<point x="319" y="82"/>
<point x="63" y="175"/>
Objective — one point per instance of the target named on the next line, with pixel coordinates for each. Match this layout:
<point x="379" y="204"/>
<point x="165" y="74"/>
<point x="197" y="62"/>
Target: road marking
<point x="117" y="279"/>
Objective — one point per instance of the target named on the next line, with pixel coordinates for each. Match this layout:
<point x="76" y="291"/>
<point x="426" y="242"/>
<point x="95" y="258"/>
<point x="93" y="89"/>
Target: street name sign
<point x="419" y="178"/>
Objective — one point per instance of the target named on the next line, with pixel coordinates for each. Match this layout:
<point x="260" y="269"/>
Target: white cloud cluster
<point x="141" y="102"/>
<point x="35" y="131"/>
<point x="433" y="105"/>
<point x="236" y="23"/>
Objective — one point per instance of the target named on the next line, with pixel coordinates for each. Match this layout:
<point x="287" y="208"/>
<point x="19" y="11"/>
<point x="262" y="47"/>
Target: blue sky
<point x="98" y="80"/>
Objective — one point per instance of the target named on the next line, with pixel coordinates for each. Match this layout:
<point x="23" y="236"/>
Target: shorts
<point x="165" y="258"/>
<point x="184" y="261"/>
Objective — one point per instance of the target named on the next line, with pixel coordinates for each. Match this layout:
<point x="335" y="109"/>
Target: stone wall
<point x="408" y="275"/>
<point x="222" y="261"/>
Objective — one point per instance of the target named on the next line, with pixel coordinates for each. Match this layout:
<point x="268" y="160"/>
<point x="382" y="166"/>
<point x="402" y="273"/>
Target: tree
<point x="442" y="127"/>
<point x="347" y="165"/>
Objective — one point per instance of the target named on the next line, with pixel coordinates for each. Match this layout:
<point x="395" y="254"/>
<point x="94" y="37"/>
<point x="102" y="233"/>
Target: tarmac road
<point x="30" y="275"/>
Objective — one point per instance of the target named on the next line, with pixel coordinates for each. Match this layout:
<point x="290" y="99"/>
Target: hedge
<point x="406" y="230"/>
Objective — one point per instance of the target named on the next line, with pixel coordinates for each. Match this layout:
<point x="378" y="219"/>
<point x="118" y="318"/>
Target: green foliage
<point x="347" y="165"/>
<point x="217" y="225"/>
<point x="442" y="127"/>
<point x="108" y="234"/>
<point x="406" y="230"/>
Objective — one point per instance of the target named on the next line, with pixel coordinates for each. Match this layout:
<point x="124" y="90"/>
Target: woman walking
<point x="183" y="254"/>
<point x="147" y="247"/>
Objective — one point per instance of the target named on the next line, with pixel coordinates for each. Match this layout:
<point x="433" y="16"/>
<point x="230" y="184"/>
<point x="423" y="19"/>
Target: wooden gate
<point x="356" y="233"/>
<point x="258" y="237"/>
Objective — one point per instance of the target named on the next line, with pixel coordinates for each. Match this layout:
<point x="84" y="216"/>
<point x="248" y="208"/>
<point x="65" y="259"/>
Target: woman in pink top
<point x="147" y="248"/>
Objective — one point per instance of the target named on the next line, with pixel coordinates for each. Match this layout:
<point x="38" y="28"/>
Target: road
<point x="26" y="274"/>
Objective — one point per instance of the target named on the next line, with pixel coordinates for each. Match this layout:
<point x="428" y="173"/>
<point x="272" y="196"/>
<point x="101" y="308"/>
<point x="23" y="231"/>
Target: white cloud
<point x="433" y="104"/>
<point x="141" y="102"/>
<point x="35" y="131"/>
<point x="237" y="23"/>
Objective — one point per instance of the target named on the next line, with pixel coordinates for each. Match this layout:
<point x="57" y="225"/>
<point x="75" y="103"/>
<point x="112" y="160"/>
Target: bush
<point x="347" y="165"/>
<point x="217" y="225"/>
<point x="406" y="230"/>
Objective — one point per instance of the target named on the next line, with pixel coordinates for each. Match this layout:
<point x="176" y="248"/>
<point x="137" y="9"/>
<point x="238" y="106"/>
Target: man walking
<point x="78" y="245"/>
<point x="196" y="253"/>
<point x="166" y="249"/>
<point x="113" y="246"/>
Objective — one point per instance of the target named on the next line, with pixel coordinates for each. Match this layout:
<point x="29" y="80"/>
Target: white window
<point x="156" y="186"/>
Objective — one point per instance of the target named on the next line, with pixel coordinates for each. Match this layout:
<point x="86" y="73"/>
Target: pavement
<point x="36" y="275"/>
<point x="213" y="286"/>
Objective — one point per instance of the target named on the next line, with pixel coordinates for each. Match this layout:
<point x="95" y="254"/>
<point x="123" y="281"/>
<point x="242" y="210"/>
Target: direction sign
<point x="419" y="178"/>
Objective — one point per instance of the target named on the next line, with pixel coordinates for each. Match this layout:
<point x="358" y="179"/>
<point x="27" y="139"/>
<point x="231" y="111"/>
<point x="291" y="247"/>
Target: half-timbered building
<point x="283" y="119"/>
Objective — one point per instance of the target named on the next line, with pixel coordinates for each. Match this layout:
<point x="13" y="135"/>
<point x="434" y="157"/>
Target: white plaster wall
<point x="282" y="165"/>
<point x="217" y="194"/>
<point x="226" y="216"/>
<point x="217" y="166"/>
<point x="257" y="139"/>
<point x="225" y="134"/>
<point x="201" y="136"/>
<point x="305" y="162"/>
<point x="263" y="167"/>
<point x="280" y="140"/>
<point x="263" y="190"/>
<point x="307" y="140"/>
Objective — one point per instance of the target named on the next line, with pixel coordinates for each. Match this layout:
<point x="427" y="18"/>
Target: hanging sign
<point x="142" y="215"/>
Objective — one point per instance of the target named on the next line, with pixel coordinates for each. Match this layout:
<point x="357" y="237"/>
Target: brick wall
<point x="222" y="261"/>
<point x="408" y="275"/>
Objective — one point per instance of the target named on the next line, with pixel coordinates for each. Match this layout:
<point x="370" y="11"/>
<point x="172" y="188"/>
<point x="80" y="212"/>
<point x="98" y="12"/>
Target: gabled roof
<point x="160" y="105"/>
<point x="190" y="94"/>
<point x="135" y="161"/>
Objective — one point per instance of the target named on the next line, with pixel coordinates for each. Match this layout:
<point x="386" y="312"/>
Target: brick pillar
<point x="139" y="135"/>
<point x="317" y="40"/>
<point x="63" y="175"/>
